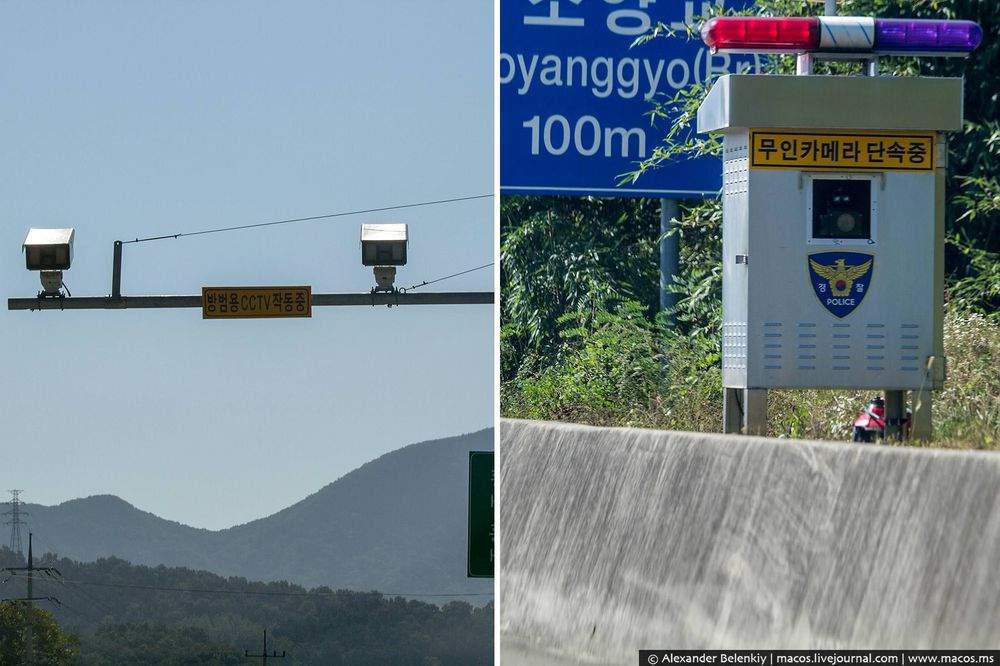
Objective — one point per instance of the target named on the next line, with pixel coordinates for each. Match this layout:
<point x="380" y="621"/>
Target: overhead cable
<point x="447" y="277"/>
<point x="310" y="218"/>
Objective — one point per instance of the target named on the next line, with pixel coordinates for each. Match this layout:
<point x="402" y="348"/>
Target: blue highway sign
<point x="574" y="95"/>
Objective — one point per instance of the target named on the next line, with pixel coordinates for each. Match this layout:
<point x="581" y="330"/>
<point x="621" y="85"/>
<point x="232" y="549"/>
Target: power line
<point x="28" y="600"/>
<point x="61" y="601"/>
<point x="99" y="609"/>
<point x="94" y="612"/>
<point x="447" y="277"/>
<point x="308" y="219"/>
<point x="265" y="593"/>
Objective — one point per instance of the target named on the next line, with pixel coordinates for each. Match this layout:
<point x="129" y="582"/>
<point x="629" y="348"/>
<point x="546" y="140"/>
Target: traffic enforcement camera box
<point x="833" y="228"/>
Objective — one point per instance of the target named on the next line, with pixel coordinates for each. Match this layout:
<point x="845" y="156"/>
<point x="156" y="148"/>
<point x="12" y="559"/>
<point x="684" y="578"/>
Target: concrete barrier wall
<point x="615" y="539"/>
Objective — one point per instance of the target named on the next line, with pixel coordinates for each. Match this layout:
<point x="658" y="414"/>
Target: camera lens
<point x="846" y="222"/>
<point x="841" y="208"/>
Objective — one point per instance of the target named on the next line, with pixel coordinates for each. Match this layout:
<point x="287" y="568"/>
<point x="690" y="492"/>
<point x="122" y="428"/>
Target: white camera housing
<point x="383" y="244"/>
<point x="48" y="249"/>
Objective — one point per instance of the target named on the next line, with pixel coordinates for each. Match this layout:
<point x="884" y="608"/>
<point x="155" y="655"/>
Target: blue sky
<point x="127" y="119"/>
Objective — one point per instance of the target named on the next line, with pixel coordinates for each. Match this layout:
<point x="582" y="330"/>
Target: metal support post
<point x="922" y="427"/>
<point x="830" y="7"/>
<point x="804" y="64"/>
<point x="29" y="657"/>
<point x="732" y="411"/>
<point x="264" y="656"/>
<point x="670" y="255"/>
<point x="744" y="411"/>
<point x="895" y="408"/>
<point x="29" y="636"/>
<point x="755" y="412"/>
<point x="116" y="272"/>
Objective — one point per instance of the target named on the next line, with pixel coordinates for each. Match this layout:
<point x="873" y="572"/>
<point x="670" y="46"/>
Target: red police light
<point x="738" y="33"/>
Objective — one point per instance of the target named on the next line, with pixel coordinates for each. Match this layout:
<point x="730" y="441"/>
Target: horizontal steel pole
<point x="318" y="300"/>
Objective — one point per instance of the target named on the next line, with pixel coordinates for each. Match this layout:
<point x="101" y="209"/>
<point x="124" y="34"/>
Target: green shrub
<point x="608" y="375"/>
<point x="612" y="373"/>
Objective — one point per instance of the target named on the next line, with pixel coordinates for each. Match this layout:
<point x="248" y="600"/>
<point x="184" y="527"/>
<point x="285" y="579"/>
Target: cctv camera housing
<point x="48" y="249"/>
<point x="383" y="244"/>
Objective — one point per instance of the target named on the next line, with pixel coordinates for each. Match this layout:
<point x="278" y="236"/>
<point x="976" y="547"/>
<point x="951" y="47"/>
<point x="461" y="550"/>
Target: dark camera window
<point x="842" y="209"/>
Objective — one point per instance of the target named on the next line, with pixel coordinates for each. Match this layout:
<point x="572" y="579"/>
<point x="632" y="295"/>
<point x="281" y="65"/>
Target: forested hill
<point x="128" y="614"/>
<point x="396" y="524"/>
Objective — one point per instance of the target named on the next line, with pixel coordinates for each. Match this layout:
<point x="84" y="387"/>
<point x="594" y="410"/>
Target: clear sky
<point x="127" y="119"/>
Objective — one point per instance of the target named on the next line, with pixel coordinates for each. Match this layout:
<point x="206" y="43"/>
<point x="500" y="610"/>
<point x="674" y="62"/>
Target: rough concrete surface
<point x="611" y="540"/>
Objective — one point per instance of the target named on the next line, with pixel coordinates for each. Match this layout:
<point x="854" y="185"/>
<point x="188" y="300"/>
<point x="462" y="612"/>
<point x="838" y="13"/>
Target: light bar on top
<point x="847" y="34"/>
<point x="725" y="33"/>
<point x="915" y="35"/>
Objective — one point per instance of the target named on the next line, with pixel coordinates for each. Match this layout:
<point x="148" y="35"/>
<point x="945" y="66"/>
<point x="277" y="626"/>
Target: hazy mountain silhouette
<point x="397" y="524"/>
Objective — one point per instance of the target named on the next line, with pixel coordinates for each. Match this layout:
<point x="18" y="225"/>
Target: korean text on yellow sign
<point x="249" y="302"/>
<point x="871" y="152"/>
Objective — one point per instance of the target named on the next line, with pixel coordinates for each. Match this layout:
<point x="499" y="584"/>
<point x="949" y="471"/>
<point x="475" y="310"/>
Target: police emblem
<point x="841" y="279"/>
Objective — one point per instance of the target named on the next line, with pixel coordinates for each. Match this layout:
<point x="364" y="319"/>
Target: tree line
<point x="114" y="612"/>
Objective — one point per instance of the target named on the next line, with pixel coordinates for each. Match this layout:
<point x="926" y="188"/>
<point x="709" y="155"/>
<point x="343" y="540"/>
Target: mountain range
<point x="397" y="524"/>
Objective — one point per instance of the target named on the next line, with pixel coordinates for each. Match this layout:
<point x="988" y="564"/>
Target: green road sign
<point x="480" y="514"/>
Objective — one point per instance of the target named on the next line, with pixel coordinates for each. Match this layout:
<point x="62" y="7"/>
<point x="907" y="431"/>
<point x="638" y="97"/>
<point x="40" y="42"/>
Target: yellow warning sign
<point x="249" y="302"/>
<point x="850" y="152"/>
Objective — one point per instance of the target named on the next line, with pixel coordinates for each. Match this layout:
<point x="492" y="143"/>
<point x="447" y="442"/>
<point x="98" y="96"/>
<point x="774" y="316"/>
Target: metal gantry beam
<point x="318" y="300"/>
